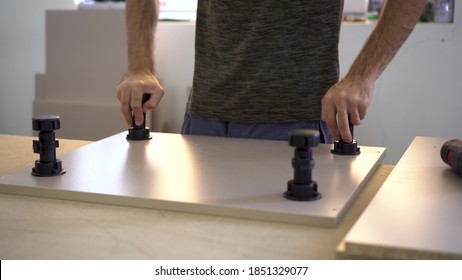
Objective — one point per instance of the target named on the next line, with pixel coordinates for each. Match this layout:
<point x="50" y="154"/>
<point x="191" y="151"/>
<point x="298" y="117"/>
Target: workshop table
<point x="41" y="228"/>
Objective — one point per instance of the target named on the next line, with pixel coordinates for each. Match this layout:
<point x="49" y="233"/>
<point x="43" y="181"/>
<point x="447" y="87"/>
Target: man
<point x="263" y="68"/>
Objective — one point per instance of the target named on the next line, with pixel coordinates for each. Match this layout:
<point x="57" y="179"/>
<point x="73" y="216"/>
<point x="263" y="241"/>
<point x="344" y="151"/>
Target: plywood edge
<point x="184" y="207"/>
<point x="346" y="250"/>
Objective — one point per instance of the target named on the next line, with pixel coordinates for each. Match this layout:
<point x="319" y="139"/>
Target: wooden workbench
<point x="39" y="228"/>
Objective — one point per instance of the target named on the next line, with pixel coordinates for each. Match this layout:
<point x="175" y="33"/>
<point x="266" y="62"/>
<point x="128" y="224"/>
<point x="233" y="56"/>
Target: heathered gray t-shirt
<point x="264" y="60"/>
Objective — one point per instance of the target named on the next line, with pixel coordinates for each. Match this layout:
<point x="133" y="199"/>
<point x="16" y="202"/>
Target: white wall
<point x="22" y="55"/>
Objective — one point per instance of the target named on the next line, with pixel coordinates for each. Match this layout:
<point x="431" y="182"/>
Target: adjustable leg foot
<point x="48" y="164"/>
<point x="302" y="188"/>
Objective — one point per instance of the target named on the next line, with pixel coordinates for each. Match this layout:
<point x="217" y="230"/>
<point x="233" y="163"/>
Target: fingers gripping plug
<point x="344" y="148"/>
<point x="139" y="132"/>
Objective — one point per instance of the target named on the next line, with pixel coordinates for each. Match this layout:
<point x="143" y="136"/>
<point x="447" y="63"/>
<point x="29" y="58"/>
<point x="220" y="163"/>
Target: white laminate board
<point x="417" y="213"/>
<point x="210" y="175"/>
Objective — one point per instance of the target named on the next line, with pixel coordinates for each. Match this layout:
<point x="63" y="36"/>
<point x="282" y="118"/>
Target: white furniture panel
<point x="416" y="213"/>
<point x="210" y="175"/>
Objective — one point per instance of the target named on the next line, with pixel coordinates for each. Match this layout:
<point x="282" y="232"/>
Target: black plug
<point x="302" y="188"/>
<point x="344" y="148"/>
<point x="139" y="132"/>
<point x="48" y="165"/>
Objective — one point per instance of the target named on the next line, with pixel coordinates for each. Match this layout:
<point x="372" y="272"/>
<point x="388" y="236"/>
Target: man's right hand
<point x="130" y="93"/>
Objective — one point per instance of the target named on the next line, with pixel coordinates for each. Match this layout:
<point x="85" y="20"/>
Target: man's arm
<point x="141" y="21"/>
<point x="349" y="99"/>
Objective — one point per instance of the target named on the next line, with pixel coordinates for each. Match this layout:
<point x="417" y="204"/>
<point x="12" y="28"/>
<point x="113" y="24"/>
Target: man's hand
<point x="141" y="20"/>
<point x="350" y="98"/>
<point x="346" y="102"/>
<point x="130" y="93"/>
